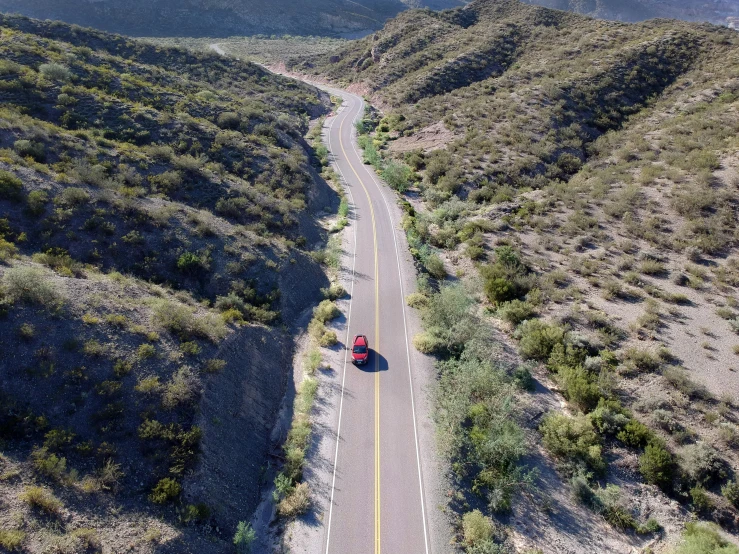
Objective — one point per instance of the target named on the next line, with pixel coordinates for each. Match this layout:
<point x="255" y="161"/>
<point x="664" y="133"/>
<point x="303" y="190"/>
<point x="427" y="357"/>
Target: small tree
<point x="244" y="537"/>
<point x="657" y="465"/>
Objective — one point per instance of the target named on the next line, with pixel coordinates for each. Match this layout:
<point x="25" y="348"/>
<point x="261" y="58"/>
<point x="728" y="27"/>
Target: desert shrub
<point x="635" y="434"/>
<point x="426" y="343"/>
<point x="702" y="464"/>
<point x="214" y="365"/>
<point x="657" y="465"/>
<point x="609" y="417"/>
<point x="435" y="266"/>
<point x="33" y="286"/>
<point x="516" y="311"/>
<point x="182" y="321"/>
<point x="679" y="379"/>
<point x="643" y="360"/>
<point x="72" y="197"/>
<point x="448" y="320"/>
<point x="228" y="120"/>
<point x="574" y="441"/>
<point x="36" y="201"/>
<point x="48" y="464"/>
<point x="578" y="386"/>
<point x="731" y="492"/>
<point x="11" y="539"/>
<point x="703" y="538"/>
<point x="334" y="292"/>
<point x="42" y="499"/>
<point x="417" y="300"/>
<point x="183" y="388"/>
<point x="10" y="186"/>
<point x="538" y="339"/>
<point x="329" y="338"/>
<point x="27" y="148"/>
<point x="244" y="538"/>
<point x="55" y="71"/>
<point x="146" y="351"/>
<point x="296" y="502"/>
<point x="326" y="311"/>
<point x="148" y="384"/>
<point x="477" y="528"/>
<point x="189" y="262"/>
<point x="522" y="377"/>
<point x="397" y="175"/>
<point x="165" y="490"/>
<point x="699" y="499"/>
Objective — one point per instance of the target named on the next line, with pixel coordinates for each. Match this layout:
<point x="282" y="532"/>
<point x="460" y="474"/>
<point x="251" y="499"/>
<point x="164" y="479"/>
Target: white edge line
<point x="348" y="321"/>
<point x="407" y="347"/>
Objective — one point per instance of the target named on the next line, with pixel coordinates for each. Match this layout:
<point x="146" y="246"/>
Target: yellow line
<point x="377" y="347"/>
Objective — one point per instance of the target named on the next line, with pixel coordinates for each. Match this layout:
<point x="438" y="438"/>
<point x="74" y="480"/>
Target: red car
<point x="360" y="350"/>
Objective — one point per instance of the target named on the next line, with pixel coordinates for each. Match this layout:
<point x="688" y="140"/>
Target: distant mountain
<point x="222" y="17"/>
<point x="715" y="11"/>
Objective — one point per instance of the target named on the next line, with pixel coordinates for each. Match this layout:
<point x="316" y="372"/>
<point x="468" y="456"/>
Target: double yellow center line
<point x="377" y="347"/>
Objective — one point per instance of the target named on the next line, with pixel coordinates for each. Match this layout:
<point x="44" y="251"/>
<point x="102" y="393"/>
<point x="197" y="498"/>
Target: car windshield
<point x="360" y="349"/>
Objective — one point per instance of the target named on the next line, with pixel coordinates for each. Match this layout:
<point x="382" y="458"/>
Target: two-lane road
<point x="377" y="497"/>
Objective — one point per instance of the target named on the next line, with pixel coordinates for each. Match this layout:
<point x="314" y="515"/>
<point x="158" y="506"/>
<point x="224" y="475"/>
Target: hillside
<point x="716" y="12"/>
<point x="158" y="209"/>
<point x="581" y="177"/>
<point x="221" y="18"/>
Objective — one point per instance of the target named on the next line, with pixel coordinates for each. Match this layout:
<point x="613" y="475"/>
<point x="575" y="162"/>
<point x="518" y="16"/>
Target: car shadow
<point x="377" y="362"/>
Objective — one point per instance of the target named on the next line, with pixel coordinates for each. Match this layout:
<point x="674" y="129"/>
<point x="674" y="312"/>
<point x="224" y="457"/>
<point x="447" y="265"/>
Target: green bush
<point x="326" y="311"/>
<point x="244" y="538"/>
<point x="499" y="289"/>
<point x="27" y="148"/>
<point x="33" y="286"/>
<point x="397" y="175"/>
<point x="700" y="499"/>
<point x="703" y="538"/>
<point x="609" y="417"/>
<point x="574" y="441"/>
<point x="435" y="266"/>
<point x="55" y="71"/>
<point x="296" y="502"/>
<point x="635" y="434"/>
<point x="579" y="387"/>
<point x="10" y="186"/>
<point x="228" y="120"/>
<point x="189" y="262"/>
<point x="538" y="339"/>
<point x="42" y="499"/>
<point x="657" y="465"/>
<point x="36" y="201"/>
<point x="477" y="528"/>
<point x="731" y="492"/>
<point x="703" y="464"/>
<point x="166" y="490"/>
<point x="426" y="343"/>
<point x="516" y="311"/>
<point x="11" y="539"/>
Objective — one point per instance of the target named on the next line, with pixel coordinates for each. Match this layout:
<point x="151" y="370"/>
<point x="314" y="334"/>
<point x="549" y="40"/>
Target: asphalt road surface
<point x="377" y="497"/>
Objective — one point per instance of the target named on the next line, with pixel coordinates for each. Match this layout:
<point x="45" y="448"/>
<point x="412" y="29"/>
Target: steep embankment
<point x="157" y="215"/>
<point x="581" y="175"/>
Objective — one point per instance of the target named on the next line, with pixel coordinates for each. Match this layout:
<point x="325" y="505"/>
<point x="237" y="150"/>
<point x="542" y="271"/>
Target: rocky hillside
<point x="583" y="176"/>
<point x="155" y="205"/>
<point x="221" y="18"/>
<point x="718" y="11"/>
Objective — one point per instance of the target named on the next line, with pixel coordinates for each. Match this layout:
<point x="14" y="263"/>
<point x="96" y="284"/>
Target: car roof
<point x="360" y="339"/>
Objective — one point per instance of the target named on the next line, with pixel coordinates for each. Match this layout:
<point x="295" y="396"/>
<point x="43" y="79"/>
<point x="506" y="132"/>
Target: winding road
<point x="377" y="500"/>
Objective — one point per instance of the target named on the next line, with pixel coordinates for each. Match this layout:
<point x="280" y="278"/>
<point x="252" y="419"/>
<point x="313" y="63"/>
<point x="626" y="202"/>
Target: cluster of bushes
<point x="577" y="441"/>
<point x="475" y="405"/>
